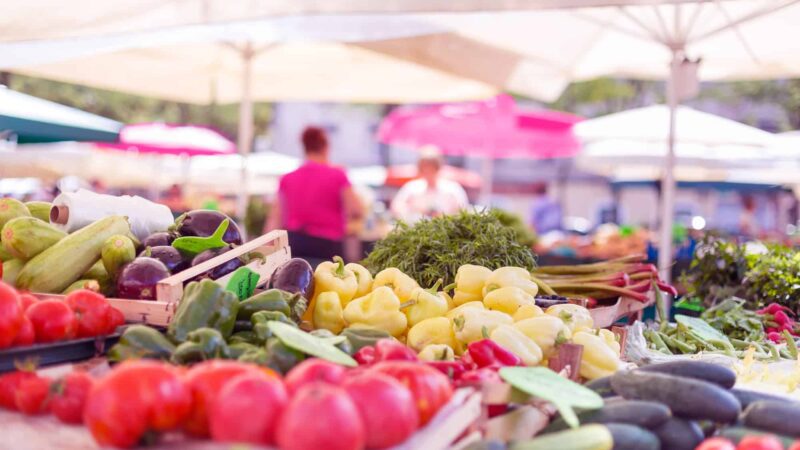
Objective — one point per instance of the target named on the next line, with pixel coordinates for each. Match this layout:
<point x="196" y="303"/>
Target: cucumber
<point x="746" y="397"/>
<point x="587" y="437"/>
<point x="686" y="397"/>
<point x="774" y="417"/>
<point x="11" y="208"/>
<point x="62" y="264"/>
<point x="633" y="412"/>
<point x="713" y="373"/>
<point x="117" y="251"/>
<point x="602" y="386"/>
<point x="736" y="434"/>
<point x="631" y="437"/>
<point x="11" y="270"/>
<point x="679" y="434"/>
<point x="91" y="285"/>
<point x="26" y="237"/>
<point x="40" y="210"/>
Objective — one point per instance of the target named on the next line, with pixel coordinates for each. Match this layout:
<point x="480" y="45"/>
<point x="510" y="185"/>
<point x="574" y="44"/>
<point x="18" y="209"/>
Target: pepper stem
<point x="339" y="270"/>
<point x="433" y="289"/>
<point x="449" y="287"/>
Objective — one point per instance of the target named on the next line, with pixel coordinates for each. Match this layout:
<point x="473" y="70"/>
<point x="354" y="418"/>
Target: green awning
<point x="34" y="120"/>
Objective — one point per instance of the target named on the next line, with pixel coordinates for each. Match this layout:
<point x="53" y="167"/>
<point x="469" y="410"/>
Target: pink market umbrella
<point x="494" y="128"/>
<point x="166" y="139"/>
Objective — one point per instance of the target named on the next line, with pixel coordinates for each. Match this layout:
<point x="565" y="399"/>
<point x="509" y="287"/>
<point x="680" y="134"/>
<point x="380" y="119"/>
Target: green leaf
<point x="545" y="384"/>
<point x="193" y="245"/>
<point x="309" y="344"/>
<point x="701" y="327"/>
<point x="243" y="283"/>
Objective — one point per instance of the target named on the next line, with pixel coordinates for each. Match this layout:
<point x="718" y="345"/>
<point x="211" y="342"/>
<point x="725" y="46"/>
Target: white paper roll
<point x="86" y="207"/>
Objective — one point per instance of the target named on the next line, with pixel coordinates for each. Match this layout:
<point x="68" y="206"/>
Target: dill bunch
<point x="435" y="248"/>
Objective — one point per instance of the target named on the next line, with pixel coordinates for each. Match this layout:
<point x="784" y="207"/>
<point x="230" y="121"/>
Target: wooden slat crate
<point x="274" y="246"/>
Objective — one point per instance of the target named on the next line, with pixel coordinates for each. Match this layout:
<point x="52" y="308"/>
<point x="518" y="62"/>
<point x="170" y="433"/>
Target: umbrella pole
<point x="668" y="181"/>
<point x="245" y="138"/>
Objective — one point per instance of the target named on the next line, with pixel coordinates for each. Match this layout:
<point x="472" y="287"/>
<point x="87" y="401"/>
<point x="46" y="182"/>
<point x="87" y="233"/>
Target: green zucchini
<point x="631" y="437"/>
<point x="587" y="437"/>
<point x="56" y="268"/>
<point x="11" y="208"/>
<point x="774" y="417"/>
<point x="26" y="237"/>
<point x="11" y="270"/>
<point x="602" y="386"/>
<point x="713" y="373"/>
<point x="98" y="272"/>
<point x="4" y="255"/>
<point x="736" y="434"/>
<point x="746" y="397"/>
<point x="117" y="251"/>
<point x="633" y="412"/>
<point x="91" y="285"/>
<point x="686" y="397"/>
<point x="679" y="434"/>
<point x="40" y="210"/>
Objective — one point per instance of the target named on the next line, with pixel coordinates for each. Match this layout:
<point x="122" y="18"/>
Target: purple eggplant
<point x="204" y="222"/>
<point x="220" y="270"/>
<point x="138" y="278"/>
<point x="168" y="255"/>
<point x="159" y="239"/>
<point x="295" y="276"/>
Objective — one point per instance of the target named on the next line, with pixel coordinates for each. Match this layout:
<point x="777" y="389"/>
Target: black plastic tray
<point x="57" y="352"/>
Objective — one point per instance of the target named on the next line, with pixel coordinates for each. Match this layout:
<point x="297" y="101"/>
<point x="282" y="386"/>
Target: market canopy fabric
<point x="167" y="139"/>
<point x="30" y="119"/>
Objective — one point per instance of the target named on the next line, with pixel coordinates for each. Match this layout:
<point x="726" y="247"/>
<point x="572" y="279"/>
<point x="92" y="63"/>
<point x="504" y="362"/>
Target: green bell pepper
<point x="201" y="344"/>
<point x="237" y="349"/>
<point x="345" y="346"/>
<point x="269" y="300"/>
<point x="204" y="304"/>
<point x="363" y="337"/>
<point x="281" y="358"/>
<point x="141" y="341"/>
<point x="256" y="355"/>
<point x="260" y="320"/>
<point x="247" y="337"/>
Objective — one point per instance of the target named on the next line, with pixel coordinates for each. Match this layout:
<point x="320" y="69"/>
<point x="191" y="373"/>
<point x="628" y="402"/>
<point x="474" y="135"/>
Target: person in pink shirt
<point x="314" y="202"/>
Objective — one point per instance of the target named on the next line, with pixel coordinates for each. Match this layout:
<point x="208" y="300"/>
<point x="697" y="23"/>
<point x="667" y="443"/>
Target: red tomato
<point x="763" y="442"/>
<point x="26" y="300"/>
<point x="135" y="397"/>
<point x="32" y="395"/>
<point x="205" y="381"/>
<point x="311" y="370"/>
<point x="114" y="320"/>
<point x="716" y="443"/>
<point x="9" y="384"/>
<point x="91" y="312"/>
<point x="52" y="321"/>
<point x="431" y="389"/>
<point x="25" y="335"/>
<point x="321" y="416"/>
<point x="795" y="446"/>
<point x="387" y="408"/>
<point x="262" y="399"/>
<point x="10" y="314"/>
<point x="69" y="396"/>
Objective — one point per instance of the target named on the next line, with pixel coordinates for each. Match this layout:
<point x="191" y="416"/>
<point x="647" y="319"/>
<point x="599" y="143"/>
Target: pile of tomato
<point x="752" y="442"/>
<point x="317" y="405"/>
<point x="25" y="320"/>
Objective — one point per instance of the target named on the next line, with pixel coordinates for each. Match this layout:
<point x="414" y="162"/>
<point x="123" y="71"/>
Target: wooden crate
<point x="274" y="246"/>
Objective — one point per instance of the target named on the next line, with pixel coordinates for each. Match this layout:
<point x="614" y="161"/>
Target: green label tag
<point x="193" y="245"/>
<point x="243" y="283"/>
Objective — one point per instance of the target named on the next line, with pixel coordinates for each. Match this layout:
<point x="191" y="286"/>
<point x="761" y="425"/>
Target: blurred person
<point x="545" y="210"/>
<point x="429" y="195"/>
<point x="748" y="222"/>
<point x="173" y="198"/>
<point x="315" y="202"/>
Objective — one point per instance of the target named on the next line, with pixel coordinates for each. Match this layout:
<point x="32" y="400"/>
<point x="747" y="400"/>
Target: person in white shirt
<point x="429" y="195"/>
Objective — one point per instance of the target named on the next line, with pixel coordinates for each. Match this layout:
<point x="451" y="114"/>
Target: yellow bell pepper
<point x="517" y="343"/>
<point x="424" y="304"/>
<point x="598" y="359"/>
<point x="469" y="283"/>
<point x="575" y="316"/>
<point x="402" y="284"/>
<point x="332" y="276"/>
<point x="437" y="352"/>
<point x="508" y="299"/>
<point x="611" y="340"/>
<point x="363" y="277"/>
<point x="511" y="276"/>
<point x="436" y="330"/>
<point x="380" y="309"/>
<point x="328" y="312"/>
<point x="527" y="312"/>
<point x="474" y="324"/>
<point x="458" y="309"/>
<point x="547" y="331"/>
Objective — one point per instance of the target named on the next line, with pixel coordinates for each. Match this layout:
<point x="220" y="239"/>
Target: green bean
<point x="671" y="342"/>
<point x="773" y="350"/>
<point x="791" y="345"/>
<point x="660" y="345"/>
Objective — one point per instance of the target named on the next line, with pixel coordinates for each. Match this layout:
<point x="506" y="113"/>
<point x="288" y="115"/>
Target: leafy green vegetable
<point x="435" y="248"/>
<point x="310" y="344"/>
<point x="563" y="393"/>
